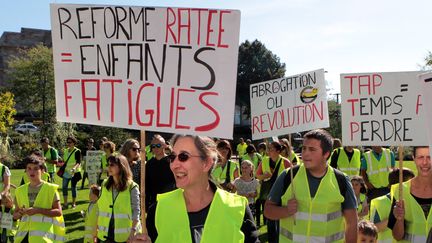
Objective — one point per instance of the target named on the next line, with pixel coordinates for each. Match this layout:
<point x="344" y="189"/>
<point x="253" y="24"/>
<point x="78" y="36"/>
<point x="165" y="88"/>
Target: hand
<point x="399" y="210"/>
<point x="30" y="211"/>
<point x="292" y="207"/>
<point x="131" y="237"/>
<point x="142" y="238"/>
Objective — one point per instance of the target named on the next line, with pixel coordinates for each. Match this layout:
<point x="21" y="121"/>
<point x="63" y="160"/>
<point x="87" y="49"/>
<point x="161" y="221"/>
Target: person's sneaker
<point x="65" y="206"/>
<point x="73" y="206"/>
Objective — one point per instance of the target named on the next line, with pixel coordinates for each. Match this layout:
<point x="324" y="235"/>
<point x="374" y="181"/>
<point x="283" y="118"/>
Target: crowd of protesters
<point x="201" y="187"/>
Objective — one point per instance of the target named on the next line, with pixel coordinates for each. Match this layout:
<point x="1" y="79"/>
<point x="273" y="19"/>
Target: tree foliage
<point x="7" y="111"/>
<point x="428" y="60"/>
<point x="256" y="64"/>
<point x="31" y="78"/>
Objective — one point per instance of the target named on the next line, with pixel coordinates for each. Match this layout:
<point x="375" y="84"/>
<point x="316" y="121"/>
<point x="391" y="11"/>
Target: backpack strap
<point x="341" y="180"/>
<point x="287" y="179"/>
<point x="340" y="177"/>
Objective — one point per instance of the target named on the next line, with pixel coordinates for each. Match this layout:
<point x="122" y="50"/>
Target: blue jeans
<point x="65" y="186"/>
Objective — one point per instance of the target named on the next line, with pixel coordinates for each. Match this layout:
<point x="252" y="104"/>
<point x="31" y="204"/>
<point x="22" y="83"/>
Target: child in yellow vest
<point x="360" y="193"/>
<point x="90" y="221"/>
<point x="7" y="224"/>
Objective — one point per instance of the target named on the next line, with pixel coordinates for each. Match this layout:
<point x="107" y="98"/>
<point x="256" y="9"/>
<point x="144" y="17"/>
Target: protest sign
<point x="287" y="105"/>
<point x="382" y="109"/>
<point x="146" y="68"/>
<point x="93" y="168"/>
<point x="426" y="89"/>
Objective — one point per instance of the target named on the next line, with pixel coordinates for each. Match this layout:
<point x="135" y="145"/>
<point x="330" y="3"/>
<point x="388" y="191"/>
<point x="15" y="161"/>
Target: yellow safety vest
<point x="417" y="225"/>
<point x="382" y="206"/>
<point x="241" y="149"/>
<point x="292" y="156"/>
<point x="255" y="159"/>
<point x="47" y="154"/>
<point x="120" y="210"/>
<point x="219" y="173"/>
<point x="90" y="222"/>
<point x="40" y="228"/>
<point x="319" y="219"/>
<point x="349" y="167"/>
<point x="266" y="165"/>
<point x="72" y="161"/>
<point x="223" y="222"/>
<point x="378" y="171"/>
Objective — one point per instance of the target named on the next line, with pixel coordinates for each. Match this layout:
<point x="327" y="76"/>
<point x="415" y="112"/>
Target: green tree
<point x="255" y="64"/>
<point x="428" y="60"/>
<point x="31" y="78"/>
<point x="7" y="111"/>
<point x="335" y="118"/>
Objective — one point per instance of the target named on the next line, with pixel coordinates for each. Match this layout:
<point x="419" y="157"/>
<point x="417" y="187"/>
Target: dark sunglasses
<point x="182" y="157"/>
<point x="136" y="149"/>
<point x="157" y="145"/>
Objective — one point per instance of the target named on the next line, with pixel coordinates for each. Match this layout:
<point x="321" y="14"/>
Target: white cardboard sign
<point x="146" y="68"/>
<point x="382" y="109"/>
<point x="287" y="105"/>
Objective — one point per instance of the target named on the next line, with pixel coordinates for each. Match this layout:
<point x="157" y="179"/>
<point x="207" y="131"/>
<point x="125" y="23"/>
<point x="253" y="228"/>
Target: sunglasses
<point x="182" y="157"/>
<point x="69" y="142"/>
<point x="136" y="149"/>
<point x="158" y="145"/>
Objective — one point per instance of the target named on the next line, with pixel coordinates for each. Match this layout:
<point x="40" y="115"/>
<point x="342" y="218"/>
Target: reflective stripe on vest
<point x="43" y="234"/>
<point x="302" y="238"/>
<point x="223" y="222"/>
<point x="349" y="167"/>
<point x="120" y="210"/>
<point x="319" y="218"/>
<point x="378" y="171"/>
<point x="417" y="225"/>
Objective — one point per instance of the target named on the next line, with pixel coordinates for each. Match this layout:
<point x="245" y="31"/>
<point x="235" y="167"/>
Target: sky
<point x="339" y="36"/>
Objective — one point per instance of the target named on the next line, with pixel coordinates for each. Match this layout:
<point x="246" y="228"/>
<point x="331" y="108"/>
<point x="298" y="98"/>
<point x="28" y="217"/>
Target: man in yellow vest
<point x="381" y="206"/>
<point x="51" y="158"/>
<point x="346" y="159"/>
<point x="241" y="148"/>
<point x="319" y="204"/>
<point x="375" y="168"/>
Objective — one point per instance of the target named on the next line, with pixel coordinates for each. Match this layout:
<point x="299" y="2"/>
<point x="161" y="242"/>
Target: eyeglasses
<point x="136" y="149"/>
<point x="157" y="145"/>
<point x="182" y="157"/>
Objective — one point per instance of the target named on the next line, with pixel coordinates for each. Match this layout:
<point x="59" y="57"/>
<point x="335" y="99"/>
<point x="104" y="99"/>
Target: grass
<point x="73" y="220"/>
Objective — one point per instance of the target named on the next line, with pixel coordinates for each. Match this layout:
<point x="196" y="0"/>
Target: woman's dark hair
<point x="276" y="145"/>
<point x="110" y="145"/>
<point x="128" y="145"/>
<point x="224" y="144"/>
<point x="125" y="173"/>
<point x="250" y="149"/>
<point x="360" y="180"/>
<point x="72" y="138"/>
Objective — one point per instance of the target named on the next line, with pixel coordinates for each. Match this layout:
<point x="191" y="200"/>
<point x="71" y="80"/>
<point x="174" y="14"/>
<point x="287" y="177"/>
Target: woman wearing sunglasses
<point x="226" y="170"/>
<point x="72" y="172"/>
<point x="131" y="150"/>
<point x="159" y="178"/>
<point x="198" y="211"/>
<point x="118" y="204"/>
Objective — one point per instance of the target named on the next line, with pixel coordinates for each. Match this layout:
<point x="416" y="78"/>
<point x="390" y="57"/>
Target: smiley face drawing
<point x="308" y="94"/>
